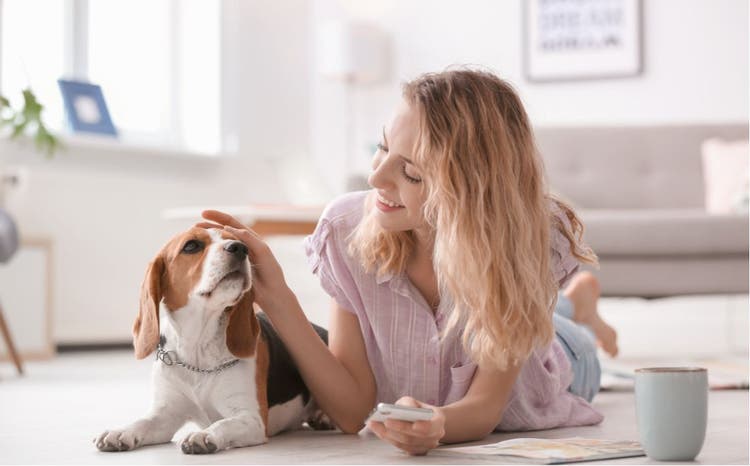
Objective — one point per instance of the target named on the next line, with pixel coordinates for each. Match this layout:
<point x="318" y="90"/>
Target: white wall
<point x="265" y="80"/>
<point x="695" y="65"/>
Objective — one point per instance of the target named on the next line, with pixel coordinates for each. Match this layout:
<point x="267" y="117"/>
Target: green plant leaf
<point x="45" y="141"/>
<point x="7" y="110"/>
<point x="18" y="129"/>
<point x="29" y="118"/>
<point x="32" y="109"/>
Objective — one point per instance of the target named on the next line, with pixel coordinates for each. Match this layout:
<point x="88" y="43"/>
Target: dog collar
<point x="169" y="358"/>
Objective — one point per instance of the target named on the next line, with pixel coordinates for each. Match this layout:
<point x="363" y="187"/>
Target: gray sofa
<point x="639" y="191"/>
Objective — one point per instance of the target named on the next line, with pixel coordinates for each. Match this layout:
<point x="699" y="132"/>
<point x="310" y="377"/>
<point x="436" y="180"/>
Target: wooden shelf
<point x="264" y="219"/>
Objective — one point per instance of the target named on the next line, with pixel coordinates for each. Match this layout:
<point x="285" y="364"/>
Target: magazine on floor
<point x="547" y="451"/>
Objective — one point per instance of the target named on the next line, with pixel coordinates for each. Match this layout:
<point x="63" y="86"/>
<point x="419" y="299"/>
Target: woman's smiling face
<point x="399" y="189"/>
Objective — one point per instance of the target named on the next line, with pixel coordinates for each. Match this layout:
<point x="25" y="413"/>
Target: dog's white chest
<point x="208" y="398"/>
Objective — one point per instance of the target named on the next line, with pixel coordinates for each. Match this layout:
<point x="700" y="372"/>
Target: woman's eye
<point x="192" y="246"/>
<point x="382" y="147"/>
<point x="410" y="178"/>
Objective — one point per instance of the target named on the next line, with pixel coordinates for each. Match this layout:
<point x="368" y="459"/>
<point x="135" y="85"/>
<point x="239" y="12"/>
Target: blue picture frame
<point x="85" y="108"/>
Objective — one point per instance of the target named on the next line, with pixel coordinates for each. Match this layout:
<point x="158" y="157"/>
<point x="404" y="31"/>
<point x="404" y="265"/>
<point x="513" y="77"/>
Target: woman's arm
<point x="478" y="413"/>
<point x="471" y="418"/>
<point x="338" y="375"/>
<point x="339" y="378"/>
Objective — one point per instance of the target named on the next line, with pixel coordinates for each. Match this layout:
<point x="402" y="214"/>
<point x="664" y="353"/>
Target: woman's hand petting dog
<point x="415" y="438"/>
<point x="269" y="283"/>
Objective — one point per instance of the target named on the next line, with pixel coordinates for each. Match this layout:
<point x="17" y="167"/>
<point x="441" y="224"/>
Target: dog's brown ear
<point x="243" y="327"/>
<point x="146" y="326"/>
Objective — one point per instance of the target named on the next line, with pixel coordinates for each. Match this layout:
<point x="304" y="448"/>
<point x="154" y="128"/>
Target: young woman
<point x="444" y="278"/>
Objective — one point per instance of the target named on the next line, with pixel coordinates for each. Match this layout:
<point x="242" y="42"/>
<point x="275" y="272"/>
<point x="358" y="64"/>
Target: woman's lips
<point x="385" y="207"/>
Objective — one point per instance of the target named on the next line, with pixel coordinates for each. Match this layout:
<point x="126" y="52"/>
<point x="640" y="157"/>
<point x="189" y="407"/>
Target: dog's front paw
<point x="199" y="443"/>
<point x="320" y="421"/>
<point x="117" y="440"/>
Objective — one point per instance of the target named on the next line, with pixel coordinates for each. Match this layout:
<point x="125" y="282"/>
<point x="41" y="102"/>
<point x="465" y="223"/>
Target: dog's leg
<point x="317" y="419"/>
<point x="241" y="423"/>
<point x="243" y="430"/>
<point x="153" y="429"/>
<point x="169" y="412"/>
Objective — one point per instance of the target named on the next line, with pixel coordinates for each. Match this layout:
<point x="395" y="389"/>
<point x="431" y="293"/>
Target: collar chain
<point x="169" y="358"/>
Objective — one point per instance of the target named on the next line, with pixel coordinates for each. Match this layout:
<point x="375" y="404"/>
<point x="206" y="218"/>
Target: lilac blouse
<point x="401" y="333"/>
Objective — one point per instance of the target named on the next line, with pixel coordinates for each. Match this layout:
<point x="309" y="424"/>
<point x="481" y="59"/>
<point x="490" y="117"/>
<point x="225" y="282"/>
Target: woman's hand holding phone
<point x="415" y="437"/>
<point x="400" y="413"/>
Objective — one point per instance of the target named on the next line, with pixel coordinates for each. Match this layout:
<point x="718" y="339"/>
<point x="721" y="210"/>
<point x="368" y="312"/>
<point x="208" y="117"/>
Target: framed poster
<point x="581" y="39"/>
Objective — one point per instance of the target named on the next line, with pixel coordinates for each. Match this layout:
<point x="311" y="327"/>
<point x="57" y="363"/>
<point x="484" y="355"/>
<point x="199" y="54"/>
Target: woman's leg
<point x="579" y="328"/>
<point x="580" y="347"/>
<point x="583" y="295"/>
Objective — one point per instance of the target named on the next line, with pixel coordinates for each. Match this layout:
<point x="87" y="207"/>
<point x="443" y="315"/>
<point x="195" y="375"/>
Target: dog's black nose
<point x="237" y="248"/>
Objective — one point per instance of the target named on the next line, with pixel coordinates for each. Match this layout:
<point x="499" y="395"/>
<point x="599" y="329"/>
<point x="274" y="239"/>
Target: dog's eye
<point x="192" y="246"/>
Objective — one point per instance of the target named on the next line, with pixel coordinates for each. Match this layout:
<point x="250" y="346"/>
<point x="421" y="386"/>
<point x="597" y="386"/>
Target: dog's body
<point x="218" y="364"/>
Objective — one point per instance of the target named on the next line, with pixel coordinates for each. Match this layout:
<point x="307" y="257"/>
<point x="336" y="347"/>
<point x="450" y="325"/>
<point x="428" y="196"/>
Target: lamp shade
<point x="352" y="50"/>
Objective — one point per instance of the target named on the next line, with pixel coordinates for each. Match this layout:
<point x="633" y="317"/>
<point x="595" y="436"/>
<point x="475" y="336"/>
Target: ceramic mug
<point x="671" y="411"/>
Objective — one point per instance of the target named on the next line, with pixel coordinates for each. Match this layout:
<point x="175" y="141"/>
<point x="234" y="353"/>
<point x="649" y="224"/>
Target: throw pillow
<point x="725" y="175"/>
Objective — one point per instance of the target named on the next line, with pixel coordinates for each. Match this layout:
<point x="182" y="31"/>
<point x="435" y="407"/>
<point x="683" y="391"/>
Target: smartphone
<point x="402" y="413"/>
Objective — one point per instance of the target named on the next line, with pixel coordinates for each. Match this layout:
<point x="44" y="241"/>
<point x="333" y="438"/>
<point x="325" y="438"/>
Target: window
<point x="33" y="62"/>
<point x="157" y="62"/>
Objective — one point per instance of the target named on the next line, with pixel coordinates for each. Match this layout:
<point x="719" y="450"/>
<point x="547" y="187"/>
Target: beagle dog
<point x="218" y="363"/>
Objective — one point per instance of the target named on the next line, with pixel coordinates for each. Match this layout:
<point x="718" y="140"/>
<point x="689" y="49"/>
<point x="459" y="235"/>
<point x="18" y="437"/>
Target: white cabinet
<point x="25" y="296"/>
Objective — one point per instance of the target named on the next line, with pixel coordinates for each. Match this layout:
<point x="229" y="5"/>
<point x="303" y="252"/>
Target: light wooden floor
<point x="52" y="414"/>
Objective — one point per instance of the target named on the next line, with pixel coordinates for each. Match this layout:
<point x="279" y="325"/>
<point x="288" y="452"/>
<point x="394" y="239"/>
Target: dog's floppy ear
<point x="243" y="327"/>
<point x="146" y="326"/>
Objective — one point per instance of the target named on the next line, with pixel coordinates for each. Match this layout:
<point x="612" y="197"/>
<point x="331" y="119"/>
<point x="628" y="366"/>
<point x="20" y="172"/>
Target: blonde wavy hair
<point x="490" y="212"/>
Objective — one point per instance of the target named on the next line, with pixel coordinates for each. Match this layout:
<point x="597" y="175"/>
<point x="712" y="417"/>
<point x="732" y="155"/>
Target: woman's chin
<point x="388" y="224"/>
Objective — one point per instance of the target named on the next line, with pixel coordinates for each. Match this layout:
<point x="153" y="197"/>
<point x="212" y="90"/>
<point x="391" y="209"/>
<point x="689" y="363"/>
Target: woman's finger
<point x="416" y="428"/>
<point x="376" y="427"/>
<point x="395" y="436"/>
<point x="410" y="402"/>
<point x="416" y="450"/>
<point x="422" y="427"/>
<point x="399" y="426"/>
<point x="222" y="218"/>
<point x="409" y="444"/>
<point x="402" y="446"/>
<point x="244" y="232"/>
<point x="208" y="225"/>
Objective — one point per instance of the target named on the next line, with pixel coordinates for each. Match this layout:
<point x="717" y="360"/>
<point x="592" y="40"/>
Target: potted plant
<point x="28" y="119"/>
<point x="17" y="123"/>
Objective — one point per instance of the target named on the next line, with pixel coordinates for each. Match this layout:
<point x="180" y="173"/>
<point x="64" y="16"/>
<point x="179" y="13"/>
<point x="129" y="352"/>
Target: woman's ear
<point x="243" y="327"/>
<point x="146" y="326"/>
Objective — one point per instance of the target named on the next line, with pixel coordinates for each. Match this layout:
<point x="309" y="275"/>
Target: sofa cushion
<point x="651" y="232"/>
<point x="725" y="175"/>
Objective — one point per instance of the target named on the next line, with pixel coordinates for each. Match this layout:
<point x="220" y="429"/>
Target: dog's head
<point x="207" y="270"/>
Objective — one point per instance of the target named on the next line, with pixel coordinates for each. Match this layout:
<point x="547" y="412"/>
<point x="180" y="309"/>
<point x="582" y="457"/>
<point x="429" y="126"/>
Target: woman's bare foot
<point x="583" y="291"/>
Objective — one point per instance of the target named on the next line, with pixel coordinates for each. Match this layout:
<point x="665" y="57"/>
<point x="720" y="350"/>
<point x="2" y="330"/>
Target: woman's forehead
<point x="404" y="126"/>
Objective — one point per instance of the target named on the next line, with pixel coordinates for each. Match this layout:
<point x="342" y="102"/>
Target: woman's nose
<point x="379" y="176"/>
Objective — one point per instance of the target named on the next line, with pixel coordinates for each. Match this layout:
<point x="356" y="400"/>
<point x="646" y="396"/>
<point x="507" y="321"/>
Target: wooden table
<point x="264" y="219"/>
